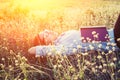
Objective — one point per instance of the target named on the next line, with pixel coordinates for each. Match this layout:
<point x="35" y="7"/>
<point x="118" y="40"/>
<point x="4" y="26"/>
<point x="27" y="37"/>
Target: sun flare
<point x="38" y="4"/>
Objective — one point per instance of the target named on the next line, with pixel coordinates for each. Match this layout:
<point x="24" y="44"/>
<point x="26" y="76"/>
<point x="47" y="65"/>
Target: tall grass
<point x="19" y="25"/>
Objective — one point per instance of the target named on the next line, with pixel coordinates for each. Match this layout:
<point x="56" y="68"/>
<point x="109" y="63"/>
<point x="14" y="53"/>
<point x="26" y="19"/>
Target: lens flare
<point x="38" y="4"/>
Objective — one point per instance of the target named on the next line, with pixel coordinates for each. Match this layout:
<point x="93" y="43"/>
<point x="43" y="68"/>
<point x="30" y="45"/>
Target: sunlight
<point x="37" y="4"/>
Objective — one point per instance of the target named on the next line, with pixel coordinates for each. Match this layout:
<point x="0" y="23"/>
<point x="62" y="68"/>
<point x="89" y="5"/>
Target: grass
<point x="19" y="25"/>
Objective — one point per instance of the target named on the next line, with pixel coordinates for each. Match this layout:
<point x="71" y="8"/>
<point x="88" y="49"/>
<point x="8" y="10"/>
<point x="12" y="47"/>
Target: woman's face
<point x="49" y="37"/>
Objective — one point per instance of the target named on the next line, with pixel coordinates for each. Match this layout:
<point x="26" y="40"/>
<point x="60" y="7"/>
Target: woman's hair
<point x="38" y="40"/>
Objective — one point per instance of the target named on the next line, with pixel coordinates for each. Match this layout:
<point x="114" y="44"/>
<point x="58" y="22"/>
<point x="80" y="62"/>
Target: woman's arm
<point x="68" y="50"/>
<point x="51" y="50"/>
<point x="32" y="50"/>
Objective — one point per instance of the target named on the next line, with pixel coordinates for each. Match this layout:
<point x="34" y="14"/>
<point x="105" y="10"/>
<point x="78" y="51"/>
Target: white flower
<point x="87" y="38"/>
<point x="91" y="47"/>
<point x="118" y="70"/>
<point x="85" y="54"/>
<point x="58" y="52"/>
<point x="2" y="66"/>
<point x="85" y="67"/>
<point x="103" y="53"/>
<point x="93" y="41"/>
<point x="93" y="32"/>
<point x="87" y="62"/>
<point x="108" y="43"/>
<point x="16" y="64"/>
<point x="59" y="66"/>
<point x="74" y="50"/>
<point x="99" y="56"/>
<point x="106" y="36"/>
<point x="104" y="65"/>
<point x="16" y="61"/>
<point x="107" y="47"/>
<point x="113" y="48"/>
<point x="9" y="66"/>
<point x="3" y="59"/>
<point x="114" y="59"/>
<point x="104" y="70"/>
<point x="84" y="41"/>
<point x="93" y="69"/>
<point x="96" y="66"/>
<point x="110" y="51"/>
<point x="96" y="36"/>
<point x="112" y="64"/>
<point x="100" y="45"/>
<point x="79" y="46"/>
<point x="100" y="67"/>
<point x="55" y="66"/>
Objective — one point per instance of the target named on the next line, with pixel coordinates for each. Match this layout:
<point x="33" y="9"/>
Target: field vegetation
<point x="21" y="20"/>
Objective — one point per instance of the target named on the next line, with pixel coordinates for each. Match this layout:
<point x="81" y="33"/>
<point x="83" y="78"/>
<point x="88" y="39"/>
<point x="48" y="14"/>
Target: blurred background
<point x="21" y="20"/>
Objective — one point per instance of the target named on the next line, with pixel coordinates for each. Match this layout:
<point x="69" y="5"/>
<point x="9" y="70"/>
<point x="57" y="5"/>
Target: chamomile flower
<point x="99" y="56"/>
<point x="112" y="64"/>
<point x="79" y="46"/>
<point x="91" y="47"/>
<point x="114" y="59"/>
<point x="100" y="67"/>
<point x="74" y="50"/>
<point x="93" y="32"/>
<point x="100" y="46"/>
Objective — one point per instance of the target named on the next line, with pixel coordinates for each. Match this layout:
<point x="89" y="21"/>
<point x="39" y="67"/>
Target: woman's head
<point x="45" y="38"/>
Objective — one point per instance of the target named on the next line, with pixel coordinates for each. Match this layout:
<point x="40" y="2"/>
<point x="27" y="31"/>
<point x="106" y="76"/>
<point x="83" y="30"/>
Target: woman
<point x="70" y="42"/>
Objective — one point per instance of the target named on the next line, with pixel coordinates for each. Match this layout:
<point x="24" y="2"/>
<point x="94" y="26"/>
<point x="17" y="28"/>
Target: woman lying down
<point x="70" y="42"/>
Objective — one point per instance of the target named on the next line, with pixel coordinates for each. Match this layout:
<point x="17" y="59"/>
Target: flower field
<point x="19" y="23"/>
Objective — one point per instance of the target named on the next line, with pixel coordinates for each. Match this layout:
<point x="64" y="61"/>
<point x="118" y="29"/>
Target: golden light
<point x="38" y="4"/>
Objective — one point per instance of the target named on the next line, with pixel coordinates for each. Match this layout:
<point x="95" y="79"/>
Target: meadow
<point x="19" y="23"/>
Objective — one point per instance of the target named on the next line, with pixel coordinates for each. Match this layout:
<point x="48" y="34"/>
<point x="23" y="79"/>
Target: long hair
<point x="45" y="38"/>
<point x="39" y="40"/>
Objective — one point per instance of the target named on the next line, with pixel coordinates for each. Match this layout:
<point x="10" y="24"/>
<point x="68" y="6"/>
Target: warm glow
<point x="38" y="4"/>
